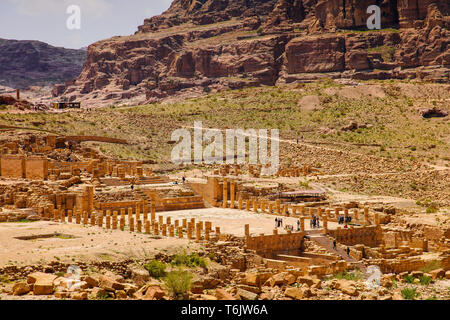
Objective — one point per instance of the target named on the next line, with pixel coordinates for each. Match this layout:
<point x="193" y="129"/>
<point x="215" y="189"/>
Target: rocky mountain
<point x="27" y="63"/>
<point x="202" y="45"/>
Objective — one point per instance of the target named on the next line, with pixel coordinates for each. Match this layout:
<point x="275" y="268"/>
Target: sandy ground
<point x="232" y="221"/>
<point x="86" y="243"/>
<point x="89" y="244"/>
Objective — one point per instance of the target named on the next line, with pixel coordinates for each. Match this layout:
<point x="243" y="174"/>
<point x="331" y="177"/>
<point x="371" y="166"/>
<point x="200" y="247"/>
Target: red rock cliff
<point x="200" y="45"/>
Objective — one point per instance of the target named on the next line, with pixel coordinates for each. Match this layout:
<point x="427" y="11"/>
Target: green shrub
<point x="356" y="275"/>
<point x="408" y="278"/>
<point x="409" y="293"/>
<point x="178" y="282"/>
<point x="191" y="261"/>
<point x="432" y="209"/>
<point x="156" y="268"/>
<point x="424" y="280"/>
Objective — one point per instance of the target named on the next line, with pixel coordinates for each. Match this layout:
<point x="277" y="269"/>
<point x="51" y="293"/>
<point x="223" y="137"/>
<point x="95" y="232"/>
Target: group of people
<point x="278" y="223"/>
<point x="315" y="222"/>
<point x="344" y="220"/>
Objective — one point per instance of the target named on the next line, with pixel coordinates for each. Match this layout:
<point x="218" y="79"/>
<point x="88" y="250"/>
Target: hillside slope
<point x="27" y="63"/>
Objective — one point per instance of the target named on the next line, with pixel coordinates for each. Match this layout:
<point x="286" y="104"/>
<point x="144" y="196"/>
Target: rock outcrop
<point x="28" y="63"/>
<point x="199" y="46"/>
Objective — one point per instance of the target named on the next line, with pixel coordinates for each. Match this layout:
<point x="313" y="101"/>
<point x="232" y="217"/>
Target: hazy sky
<point x="46" y="20"/>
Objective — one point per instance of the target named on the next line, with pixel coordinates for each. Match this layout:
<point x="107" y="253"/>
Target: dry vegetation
<point x="392" y="136"/>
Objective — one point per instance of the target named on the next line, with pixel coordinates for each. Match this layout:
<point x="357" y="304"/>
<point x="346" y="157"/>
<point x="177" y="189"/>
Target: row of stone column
<point x="117" y="220"/>
<point x="276" y="207"/>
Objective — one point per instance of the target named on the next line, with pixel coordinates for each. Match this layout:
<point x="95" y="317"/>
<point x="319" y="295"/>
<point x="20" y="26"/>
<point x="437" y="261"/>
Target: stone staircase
<point x="142" y="195"/>
<point x="327" y="243"/>
<point x="151" y="180"/>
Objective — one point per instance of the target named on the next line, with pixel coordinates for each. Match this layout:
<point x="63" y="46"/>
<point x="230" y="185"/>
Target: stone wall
<point x="209" y="191"/>
<point x="267" y="245"/>
<point x="36" y="168"/>
<point x="369" y="236"/>
<point x="12" y="167"/>
<point x="20" y="167"/>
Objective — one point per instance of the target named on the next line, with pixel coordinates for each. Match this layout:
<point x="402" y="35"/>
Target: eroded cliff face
<point x="204" y="45"/>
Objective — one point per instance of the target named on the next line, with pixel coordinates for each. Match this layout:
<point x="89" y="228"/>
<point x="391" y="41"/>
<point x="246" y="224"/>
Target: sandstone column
<point x="225" y="192"/>
<point x="108" y="219"/>
<point x="100" y="220"/>
<point x="325" y="224"/>
<point x="302" y="223"/>
<point x="132" y="224"/>
<point x="139" y="226"/>
<point x="232" y="193"/>
<point x="93" y="219"/>
<point x="153" y="214"/>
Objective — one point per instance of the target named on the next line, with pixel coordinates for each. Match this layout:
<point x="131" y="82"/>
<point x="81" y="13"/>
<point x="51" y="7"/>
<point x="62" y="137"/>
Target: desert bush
<point x="409" y="293"/>
<point x="191" y="260"/>
<point x="178" y="282"/>
<point x="424" y="280"/>
<point x="156" y="268"/>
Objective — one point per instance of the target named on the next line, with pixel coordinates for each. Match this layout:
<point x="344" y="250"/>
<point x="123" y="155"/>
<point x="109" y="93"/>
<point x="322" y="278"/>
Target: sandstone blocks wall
<point x="369" y="236"/>
<point x="13" y="167"/>
<point x="20" y="167"/>
<point x="36" y="168"/>
<point x="266" y="245"/>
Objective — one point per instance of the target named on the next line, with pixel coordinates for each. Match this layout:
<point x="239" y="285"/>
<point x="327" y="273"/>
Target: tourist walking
<point x="298" y="225"/>
<point x="334" y="245"/>
<point x="348" y="251"/>
<point x="276" y="223"/>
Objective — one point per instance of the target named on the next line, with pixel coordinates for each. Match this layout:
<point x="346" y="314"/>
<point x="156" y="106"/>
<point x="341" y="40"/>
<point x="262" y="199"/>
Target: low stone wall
<point x="369" y="236"/>
<point x="267" y="245"/>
